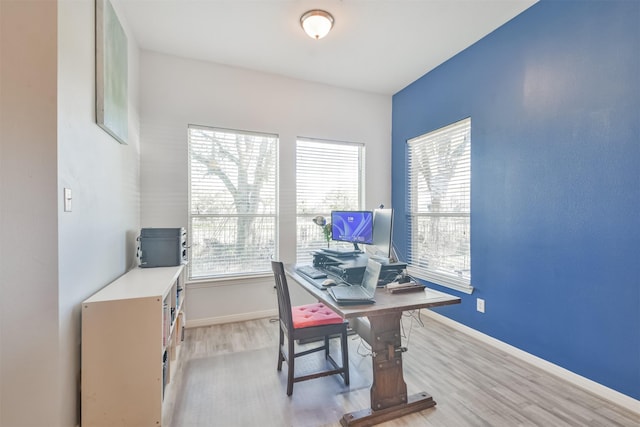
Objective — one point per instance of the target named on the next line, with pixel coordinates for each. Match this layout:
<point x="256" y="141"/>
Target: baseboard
<point x="231" y="319"/>
<point x="604" y="392"/>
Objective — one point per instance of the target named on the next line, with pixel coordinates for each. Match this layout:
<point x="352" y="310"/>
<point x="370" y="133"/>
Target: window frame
<point x="314" y="231"/>
<point x="272" y="217"/>
<point x="458" y="188"/>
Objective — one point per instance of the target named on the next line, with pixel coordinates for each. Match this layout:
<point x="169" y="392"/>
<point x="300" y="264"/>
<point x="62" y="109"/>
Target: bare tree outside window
<point x="440" y="205"/>
<point x="232" y="201"/>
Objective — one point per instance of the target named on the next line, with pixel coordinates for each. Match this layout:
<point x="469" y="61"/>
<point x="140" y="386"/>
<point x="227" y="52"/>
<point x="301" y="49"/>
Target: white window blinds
<point x="439" y="206"/>
<point x="329" y="176"/>
<point x="232" y="202"/>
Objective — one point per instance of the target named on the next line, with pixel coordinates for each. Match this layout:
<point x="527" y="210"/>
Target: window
<point x="329" y="176"/>
<point x="439" y="206"/>
<point x="232" y="202"/>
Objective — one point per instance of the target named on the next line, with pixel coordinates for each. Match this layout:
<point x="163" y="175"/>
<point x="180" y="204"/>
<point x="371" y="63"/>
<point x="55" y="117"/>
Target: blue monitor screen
<point x="352" y="226"/>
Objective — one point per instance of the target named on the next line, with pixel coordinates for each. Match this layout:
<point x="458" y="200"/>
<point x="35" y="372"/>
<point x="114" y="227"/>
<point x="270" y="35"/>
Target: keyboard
<point x="311" y="271"/>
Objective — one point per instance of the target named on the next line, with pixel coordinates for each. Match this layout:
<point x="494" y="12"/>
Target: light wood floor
<point x="227" y="377"/>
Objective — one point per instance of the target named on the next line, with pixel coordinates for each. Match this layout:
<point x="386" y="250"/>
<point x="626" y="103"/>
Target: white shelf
<point x="139" y="283"/>
<point x="124" y="338"/>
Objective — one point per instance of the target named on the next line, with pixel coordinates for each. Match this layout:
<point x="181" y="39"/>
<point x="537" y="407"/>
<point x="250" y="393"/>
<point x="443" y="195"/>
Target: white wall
<point x="28" y="215"/>
<point x="176" y="92"/>
<point x="51" y="260"/>
<point x="97" y="239"/>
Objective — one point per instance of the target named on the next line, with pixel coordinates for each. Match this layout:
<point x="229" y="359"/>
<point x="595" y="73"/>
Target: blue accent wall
<point x="554" y="101"/>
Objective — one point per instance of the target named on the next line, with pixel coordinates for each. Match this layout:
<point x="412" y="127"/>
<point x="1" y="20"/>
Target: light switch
<point x="67" y="200"/>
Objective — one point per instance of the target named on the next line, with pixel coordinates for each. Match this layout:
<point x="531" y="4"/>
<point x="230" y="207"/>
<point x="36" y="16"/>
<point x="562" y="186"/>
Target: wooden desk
<point x="389" y="397"/>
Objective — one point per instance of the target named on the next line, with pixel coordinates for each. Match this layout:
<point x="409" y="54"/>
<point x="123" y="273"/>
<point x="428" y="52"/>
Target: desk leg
<point x="389" y="398"/>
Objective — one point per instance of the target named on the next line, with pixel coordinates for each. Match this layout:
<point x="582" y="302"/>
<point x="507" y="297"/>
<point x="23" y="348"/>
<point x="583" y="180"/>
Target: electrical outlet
<point x="480" y="305"/>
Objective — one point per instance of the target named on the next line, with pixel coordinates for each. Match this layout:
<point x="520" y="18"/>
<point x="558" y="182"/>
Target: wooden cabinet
<point x="131" y="334"/>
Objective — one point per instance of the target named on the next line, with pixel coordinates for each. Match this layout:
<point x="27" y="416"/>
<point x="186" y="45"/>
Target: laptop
<point x="359" y="294"/>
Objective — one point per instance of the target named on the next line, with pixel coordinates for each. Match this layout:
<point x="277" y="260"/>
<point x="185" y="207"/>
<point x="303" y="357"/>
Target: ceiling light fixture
<point x="316" y="23"/>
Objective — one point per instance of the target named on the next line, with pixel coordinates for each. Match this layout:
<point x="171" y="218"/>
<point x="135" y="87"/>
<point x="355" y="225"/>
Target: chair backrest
<point x="282" y="290"/>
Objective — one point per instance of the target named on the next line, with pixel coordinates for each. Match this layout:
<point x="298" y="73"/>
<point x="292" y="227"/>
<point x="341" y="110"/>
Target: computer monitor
<point x="352" y="226"/>
<point x="382" y="233"/>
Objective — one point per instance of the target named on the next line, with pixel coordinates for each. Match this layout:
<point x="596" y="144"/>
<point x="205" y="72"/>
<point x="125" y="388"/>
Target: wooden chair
<point x="307" y="322"/>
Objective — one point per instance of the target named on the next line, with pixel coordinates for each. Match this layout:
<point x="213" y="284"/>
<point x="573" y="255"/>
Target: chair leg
<point x="326" y="346"/>
<point x="290" y="364"/>
<point x="345" y="356"/>
<point x="280" y="354"/>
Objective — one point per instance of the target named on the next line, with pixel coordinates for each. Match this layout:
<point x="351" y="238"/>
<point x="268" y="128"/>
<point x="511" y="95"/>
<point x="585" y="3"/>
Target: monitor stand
<point x="343" y="252"/>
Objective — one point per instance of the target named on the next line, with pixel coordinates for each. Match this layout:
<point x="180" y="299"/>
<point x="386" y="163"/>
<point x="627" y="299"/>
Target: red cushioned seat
<point x="305" y="316"/>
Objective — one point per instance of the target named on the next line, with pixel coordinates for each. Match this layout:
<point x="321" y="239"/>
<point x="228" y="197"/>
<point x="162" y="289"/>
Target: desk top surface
<point x="386" y="302"/>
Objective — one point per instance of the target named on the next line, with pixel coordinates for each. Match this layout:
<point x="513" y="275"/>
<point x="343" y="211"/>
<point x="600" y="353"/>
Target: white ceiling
<point x="377" y="46"/>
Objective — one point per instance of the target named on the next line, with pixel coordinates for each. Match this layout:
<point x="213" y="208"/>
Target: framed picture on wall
<point x="111" y="73"/>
